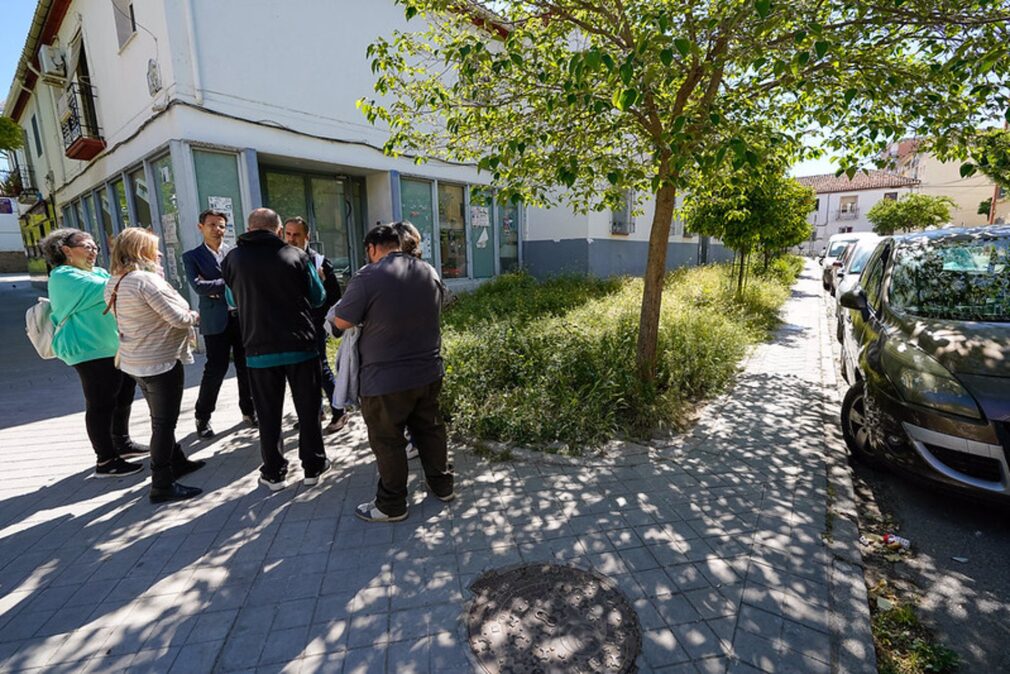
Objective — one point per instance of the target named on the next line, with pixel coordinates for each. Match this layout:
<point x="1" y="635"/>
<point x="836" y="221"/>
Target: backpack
<point x="40" y="329"/>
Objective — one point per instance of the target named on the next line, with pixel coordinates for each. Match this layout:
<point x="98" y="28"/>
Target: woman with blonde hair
<point x="155" y="324"/>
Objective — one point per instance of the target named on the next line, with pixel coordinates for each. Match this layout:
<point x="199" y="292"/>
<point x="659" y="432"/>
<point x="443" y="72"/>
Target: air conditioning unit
<point x="52" y="64"/>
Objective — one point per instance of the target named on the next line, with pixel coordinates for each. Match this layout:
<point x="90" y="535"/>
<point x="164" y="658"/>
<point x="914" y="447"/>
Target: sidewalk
<point x="718" y="540"/>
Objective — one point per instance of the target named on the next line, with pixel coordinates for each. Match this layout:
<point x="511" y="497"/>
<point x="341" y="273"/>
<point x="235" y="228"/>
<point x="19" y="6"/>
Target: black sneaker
<point x="273" y="483"/>
<point x="177" y="492"/>
<point x="186" y="467"/>
<point x="118" y="467"/>
<point x="312" y="479"/>
<point x="203" y="429"/>
<point x="132" y="450"/>
<point x="251" y="420"/>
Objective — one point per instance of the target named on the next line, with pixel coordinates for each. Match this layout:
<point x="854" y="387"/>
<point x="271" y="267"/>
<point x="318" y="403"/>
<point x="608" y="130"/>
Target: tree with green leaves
<point x="911" y="212"/>
<point x="990" y="154"/>
<point x="750" y="211"/>
<point x="604" y="97"/>
<point x="11" y="135"/>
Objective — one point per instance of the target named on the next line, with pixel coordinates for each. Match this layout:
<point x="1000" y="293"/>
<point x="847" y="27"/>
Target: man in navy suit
<point x="218" y="323"/>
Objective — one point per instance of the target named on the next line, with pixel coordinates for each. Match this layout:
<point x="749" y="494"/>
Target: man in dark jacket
<point x="296" y="233"/>
<point x="275" y="287"/>
<point x="397" y="301"/>
<point x="218" y="323"/>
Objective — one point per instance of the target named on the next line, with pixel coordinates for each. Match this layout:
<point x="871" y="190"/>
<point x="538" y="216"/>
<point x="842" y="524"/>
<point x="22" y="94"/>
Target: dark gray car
<point x="926" y="350"/>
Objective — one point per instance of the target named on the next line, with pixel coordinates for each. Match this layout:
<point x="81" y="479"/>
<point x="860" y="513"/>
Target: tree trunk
<point x="743" y="262"/>
<point x="655" y="271"/>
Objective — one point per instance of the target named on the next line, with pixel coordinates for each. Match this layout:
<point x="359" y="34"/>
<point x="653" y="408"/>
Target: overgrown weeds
<point x="541" y="363"/>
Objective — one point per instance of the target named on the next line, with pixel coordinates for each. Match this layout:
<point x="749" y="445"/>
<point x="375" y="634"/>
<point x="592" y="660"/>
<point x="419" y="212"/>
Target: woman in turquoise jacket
<point x="86" y="338"/>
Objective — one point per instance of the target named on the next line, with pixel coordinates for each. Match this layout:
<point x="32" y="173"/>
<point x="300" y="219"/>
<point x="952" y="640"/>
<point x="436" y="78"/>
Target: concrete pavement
<point x="733" y="543"/>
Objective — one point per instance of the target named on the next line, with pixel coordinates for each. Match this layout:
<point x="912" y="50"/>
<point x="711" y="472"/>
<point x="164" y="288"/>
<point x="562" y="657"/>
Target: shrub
<point x="538" y="363"/>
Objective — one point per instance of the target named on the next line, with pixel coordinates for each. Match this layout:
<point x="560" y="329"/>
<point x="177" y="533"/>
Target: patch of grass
<point x="905" y="646"/>
<point x="540" y="363"/>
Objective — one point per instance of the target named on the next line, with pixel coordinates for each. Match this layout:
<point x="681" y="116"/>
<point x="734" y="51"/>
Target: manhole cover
<point x="546" y="618"/>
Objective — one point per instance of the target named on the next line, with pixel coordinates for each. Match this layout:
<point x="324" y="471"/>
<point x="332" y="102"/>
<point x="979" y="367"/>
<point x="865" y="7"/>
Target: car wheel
<point x="854" y="429"/>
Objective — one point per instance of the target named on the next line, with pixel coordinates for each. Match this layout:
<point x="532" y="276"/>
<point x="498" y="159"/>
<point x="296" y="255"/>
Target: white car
<point x="836" y="246"/>
<point x="847" y="275"/>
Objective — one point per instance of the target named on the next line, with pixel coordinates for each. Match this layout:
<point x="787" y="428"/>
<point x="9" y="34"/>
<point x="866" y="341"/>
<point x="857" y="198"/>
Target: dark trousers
<point x="108" y="396"/>
<point x="386" y="417"/>
<point x="220" y="349"/>
<point x="329" y="381"/>
<point x="268" y="393"/>
<point x="163" y="393"/>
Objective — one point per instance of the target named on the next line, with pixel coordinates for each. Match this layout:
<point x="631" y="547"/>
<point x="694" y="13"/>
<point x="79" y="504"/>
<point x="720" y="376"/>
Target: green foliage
<point x="535" y="363"/>
<point x="785" y="269"/>
<point x="751" y="210"/>
<point x="911" y="212"/>
<point x="606" y="97"/>
<point x="905" y="646"/>
<point x="11" y="135"/>
<point x="984" y="207"/>
<point x="990" y="151"/>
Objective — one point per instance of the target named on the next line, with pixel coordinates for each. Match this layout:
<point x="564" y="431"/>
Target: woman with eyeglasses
<point x="87" y="339"/>
<point x="155" y="326"/>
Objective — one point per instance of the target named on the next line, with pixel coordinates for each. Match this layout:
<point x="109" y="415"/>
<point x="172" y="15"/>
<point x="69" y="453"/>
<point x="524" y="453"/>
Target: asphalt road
<point x="967" y="604"/>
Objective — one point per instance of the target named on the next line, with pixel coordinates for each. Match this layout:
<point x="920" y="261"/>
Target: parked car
<point x="927" y="357"/>
<point x="829" y="261"/>
<point x="853" y="261"/>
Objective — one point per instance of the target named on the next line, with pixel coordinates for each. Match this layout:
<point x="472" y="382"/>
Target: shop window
<point x="217" y="184"/>
<point x="452" y="231"/>
<point x="141" y="198"/>
<point x="106" y="216"/>
<point x="482" y="235"/>
<point x="168" y="210"/>
<point x="621" y="219"/>
<point x="416" y="206"/>
<point x="122" y="208"/>
<point x="508" y="237"/>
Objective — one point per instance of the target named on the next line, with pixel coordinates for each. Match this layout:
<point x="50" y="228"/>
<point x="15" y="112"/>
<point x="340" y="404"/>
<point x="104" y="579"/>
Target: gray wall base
<point x="608" y="257"/>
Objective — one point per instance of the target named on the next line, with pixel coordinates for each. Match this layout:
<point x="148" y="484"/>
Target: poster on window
<point x="480" y="216"/>
<point x="169" y="230"/>
<point x="224" y="205"/>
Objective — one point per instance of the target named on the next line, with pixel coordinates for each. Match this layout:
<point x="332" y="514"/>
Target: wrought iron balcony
<point x="82" y="139"/>
<point x="847" y="213"/>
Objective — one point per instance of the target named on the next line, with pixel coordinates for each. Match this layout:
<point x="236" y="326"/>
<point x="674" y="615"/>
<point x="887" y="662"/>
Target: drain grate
<point x="546" y="618"/>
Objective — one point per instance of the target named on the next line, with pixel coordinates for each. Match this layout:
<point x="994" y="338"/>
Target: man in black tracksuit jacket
<point x="275" y="288"/>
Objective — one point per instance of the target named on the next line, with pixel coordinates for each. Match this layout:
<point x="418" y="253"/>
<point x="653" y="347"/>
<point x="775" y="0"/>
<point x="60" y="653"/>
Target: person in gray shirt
<point x="396" y="299"/>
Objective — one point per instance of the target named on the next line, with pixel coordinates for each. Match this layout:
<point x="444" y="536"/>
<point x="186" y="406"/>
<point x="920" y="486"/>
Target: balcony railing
<point x="19" y="182"/>
<point x="847" y="213"/>
<point x="82" y="138"/>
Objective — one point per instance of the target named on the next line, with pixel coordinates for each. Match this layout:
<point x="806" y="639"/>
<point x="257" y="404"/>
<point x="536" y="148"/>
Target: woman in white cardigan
<point x="155" y="324"/>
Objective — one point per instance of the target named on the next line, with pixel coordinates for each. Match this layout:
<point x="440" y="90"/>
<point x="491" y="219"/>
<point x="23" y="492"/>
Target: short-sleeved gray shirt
<point x="398" y="303"/>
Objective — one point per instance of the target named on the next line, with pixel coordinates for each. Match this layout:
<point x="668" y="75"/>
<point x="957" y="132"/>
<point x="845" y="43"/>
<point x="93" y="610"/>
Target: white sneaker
<point x="370" y="513"/>
<point x="313" y="480"/>
<point x="411" y="451"/>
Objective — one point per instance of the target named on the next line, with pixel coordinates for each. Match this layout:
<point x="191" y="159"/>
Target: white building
<point x="146" y="113"/>
<point x="842" y="204"/>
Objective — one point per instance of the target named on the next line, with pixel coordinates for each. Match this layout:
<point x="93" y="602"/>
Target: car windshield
<point x="954" y="278"/>
<point x="859" y="258"/>
<point x="837" y="247"/>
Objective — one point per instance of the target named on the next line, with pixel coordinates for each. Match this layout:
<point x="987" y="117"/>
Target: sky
<point x="17" y="17"/>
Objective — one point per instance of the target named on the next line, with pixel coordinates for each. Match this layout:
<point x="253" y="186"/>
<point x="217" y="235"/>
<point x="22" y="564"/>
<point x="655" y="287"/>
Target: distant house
<point x="942" y="179"/>
<point x="842" y="204"/>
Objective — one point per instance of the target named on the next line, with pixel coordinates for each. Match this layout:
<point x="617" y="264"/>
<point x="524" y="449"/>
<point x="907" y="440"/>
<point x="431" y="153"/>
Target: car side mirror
<point x="854" y="298"/>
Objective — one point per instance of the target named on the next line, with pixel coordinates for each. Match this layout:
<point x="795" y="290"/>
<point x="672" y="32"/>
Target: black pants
<point x="268" y="393"/>
<point x="220" y="349"/>
<point x="163" y="393"/>
<point x="386" y="416"/>
<point x="108" y="396"/>
<point x="329" y="381"/>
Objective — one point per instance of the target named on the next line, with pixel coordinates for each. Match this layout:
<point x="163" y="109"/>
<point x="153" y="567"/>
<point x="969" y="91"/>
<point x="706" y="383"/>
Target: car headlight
<point x="922" y="380"/>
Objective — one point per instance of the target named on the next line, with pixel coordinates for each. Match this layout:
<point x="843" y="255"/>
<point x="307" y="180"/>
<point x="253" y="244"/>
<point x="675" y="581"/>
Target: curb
<point x="851" y="637"/>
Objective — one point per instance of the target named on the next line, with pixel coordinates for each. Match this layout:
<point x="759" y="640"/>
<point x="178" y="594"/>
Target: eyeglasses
<point x="90" y="245"/>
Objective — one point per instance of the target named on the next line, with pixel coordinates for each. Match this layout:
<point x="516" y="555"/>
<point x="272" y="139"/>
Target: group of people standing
<point x="264" y="305"/>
